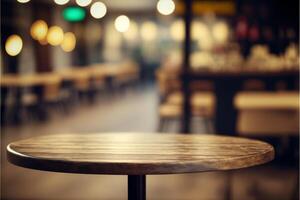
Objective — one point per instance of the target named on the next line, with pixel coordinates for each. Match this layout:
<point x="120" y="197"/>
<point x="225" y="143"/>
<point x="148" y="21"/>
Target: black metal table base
<point x="136" y="187"/>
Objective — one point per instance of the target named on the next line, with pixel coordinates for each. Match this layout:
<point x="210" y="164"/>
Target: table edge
<point x="53" y="165"/>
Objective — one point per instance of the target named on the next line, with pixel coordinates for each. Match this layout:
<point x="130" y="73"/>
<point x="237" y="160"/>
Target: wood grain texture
<point x="135" y="154"/>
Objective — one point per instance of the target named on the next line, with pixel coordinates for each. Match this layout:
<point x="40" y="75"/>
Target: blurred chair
<point x="170" y="110"/>
<point x="202" y="107"/>
<point x="168" y="82"/>
<point x="82" y="82"/>
<point x="54" y="95"/>
<point x="29" y="103"/>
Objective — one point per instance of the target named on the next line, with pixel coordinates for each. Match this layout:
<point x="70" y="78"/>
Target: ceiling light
<point x="98" y="10"/>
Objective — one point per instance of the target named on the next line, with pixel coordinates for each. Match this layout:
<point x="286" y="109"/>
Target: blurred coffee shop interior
<point x="131" y="66"/>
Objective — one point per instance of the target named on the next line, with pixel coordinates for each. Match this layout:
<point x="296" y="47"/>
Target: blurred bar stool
<point x="171" y="97"/>
<point x="203" y="104"/>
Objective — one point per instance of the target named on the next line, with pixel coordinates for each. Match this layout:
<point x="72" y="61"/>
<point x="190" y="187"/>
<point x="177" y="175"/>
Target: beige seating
<point x="170" y="86"/>
<point x="202" y="103"/>
<point x="267" y="113"/>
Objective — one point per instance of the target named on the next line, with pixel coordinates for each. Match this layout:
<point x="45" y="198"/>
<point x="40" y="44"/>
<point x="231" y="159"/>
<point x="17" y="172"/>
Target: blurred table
<point x="137" y="155"/>
<point x="228" y="83"/>
<point x="267" y="100"/>
<point x="17" y="83"/>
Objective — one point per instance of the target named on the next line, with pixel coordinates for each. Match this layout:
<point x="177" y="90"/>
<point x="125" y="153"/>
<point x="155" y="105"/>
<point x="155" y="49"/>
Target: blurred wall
<point x="61" y="59"/>
<point x="27" y="59"/>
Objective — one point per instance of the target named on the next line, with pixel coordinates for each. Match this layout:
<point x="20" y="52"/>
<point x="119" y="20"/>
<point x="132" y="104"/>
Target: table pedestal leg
<point x="136" y="187"/>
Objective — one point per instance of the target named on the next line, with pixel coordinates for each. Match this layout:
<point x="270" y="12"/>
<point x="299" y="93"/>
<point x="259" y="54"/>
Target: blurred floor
<point x="135" y="110"/>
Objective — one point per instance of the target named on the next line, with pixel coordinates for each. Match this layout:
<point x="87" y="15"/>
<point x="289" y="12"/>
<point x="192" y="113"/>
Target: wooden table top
<point x="137" y="154"/>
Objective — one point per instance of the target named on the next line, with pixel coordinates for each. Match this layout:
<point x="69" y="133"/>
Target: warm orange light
<point x="55" y="35"/>
<point x="220" y="32"/>
<point x="177" y="30"/>
<point x="13" y="45"/>
<point x="38" y="30"/>
<point x="69" y="42"/>
<point x="200" y="31"/>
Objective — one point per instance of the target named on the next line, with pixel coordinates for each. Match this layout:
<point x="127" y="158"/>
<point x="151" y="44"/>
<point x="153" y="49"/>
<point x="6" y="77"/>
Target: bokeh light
<point x="55" y="35"/>
<point x="132" y="33"/>
<point x="165" y="7"/>
<point x="200" y="31"/>
<point x="202" y="35"/>
<point x="148" y="31"/>
<point x="206" y="44"/>
<point x="122" y="23"/>
<point x="177" y="30"/>
<point x="38" y="30"/>
<point x="13" y="45"/>
<point x="98" y="10"/>
<point x="23" y="1"/>
<point x="69" y="42"/>
<point x="61" y="2"/>
<point x="83" y="3"/>
<point x="73" y="14"/>
<point x="220" y="32"/>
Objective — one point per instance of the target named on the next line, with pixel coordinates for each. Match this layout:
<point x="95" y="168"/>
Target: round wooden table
<point x="137" y="155"/>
